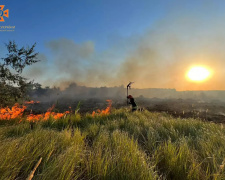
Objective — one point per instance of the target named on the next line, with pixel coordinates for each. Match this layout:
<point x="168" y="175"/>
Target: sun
<point x="198" y="73"/>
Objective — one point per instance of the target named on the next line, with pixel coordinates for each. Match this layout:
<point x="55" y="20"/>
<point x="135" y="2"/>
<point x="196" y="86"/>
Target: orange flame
<point x="31" y="102"/>
<point x="104" y="111"/>
<point x="47" y="115"/>
<point x="15" y="112"/>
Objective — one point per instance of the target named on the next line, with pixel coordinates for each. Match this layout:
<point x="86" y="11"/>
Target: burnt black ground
<point x="184" y="108"/>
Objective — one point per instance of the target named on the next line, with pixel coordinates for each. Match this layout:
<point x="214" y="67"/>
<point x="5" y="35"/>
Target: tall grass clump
<point x="69" y="164"/>
<point x="19" y="155"/>
<point x="117" y="156"/>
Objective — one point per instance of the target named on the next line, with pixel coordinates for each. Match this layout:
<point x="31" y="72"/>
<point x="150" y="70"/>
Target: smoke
<point x="166" y="52"/>
<point x="72" y="62"/>
<point x="37" y="70"/>
<point x="160" y="58"/>
<point x="69" y="57"/>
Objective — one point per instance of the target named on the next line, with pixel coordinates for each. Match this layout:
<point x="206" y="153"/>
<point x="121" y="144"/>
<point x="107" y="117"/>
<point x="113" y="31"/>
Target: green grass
<point x="122" y="145"/>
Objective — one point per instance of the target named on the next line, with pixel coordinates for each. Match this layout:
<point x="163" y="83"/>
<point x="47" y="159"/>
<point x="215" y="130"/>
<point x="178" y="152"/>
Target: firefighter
<point x="132" y="102"/>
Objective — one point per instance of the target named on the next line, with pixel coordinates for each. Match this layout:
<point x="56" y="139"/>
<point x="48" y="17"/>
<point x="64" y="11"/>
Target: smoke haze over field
<point x="157" y="58"/>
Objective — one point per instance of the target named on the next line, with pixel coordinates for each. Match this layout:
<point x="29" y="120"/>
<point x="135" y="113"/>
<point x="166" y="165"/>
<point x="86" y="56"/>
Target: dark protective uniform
<point x="134" y="105"/>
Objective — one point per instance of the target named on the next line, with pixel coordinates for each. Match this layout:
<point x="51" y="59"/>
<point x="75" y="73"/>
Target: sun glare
<point x="198" y="73"/>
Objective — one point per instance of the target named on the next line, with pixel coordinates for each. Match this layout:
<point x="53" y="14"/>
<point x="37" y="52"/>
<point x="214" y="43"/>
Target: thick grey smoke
<point x="161" y="57"/>
<point x="71" y="62"/>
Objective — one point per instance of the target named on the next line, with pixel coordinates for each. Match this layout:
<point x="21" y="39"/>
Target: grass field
<point x="121" y="145"/>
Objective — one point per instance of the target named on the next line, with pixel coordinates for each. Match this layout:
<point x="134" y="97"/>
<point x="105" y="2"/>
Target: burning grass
<point x="11" y="113"/>
<point x="32" y="102"/>
<point x="47" y="115"/>
<point x="103" y="111"/>
<point x="17" y="111"/>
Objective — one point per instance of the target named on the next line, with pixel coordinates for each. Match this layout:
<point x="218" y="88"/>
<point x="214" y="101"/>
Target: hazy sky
<point x="111" y="42"/>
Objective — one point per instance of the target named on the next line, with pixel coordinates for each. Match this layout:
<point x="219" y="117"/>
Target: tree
<point x="13" y="85"/>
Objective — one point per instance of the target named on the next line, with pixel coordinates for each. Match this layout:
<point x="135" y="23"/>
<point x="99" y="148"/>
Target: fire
<point x="15" y="112"/>
<point x="104" y="111"/>
<point x="46" y="116"/>
<point x="33" y="117"/>
<point x="31" y="102"/>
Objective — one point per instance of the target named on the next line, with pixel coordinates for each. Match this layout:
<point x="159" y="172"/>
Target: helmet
<point x="128" y="97"/>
